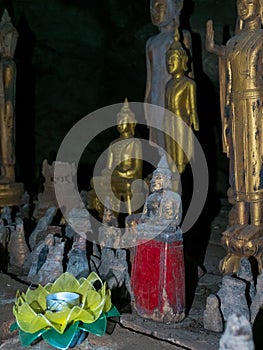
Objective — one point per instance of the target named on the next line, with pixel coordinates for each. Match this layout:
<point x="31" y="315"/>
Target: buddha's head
<point x="126" y="119"/>
<point x="164" y="12"/>
<point x="162" y="176"/>
<point x="176" y="56"/>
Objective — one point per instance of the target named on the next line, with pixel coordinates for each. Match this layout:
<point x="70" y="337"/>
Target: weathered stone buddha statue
<point x="180" y="99"/>
<point x="157" y="277"/>
<point x="124" y="164"/>
<point x="109" y="232"/>
<point x="242" y="132"/>
<point x="162" y="209"/>
<point x="165" y="14"/>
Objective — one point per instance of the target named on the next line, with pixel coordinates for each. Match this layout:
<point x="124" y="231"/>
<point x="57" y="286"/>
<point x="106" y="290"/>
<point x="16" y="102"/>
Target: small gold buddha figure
<point x="8" y="40"/>
<point x="180" y="99"/>
<point x="165" y="15"/>
<point x="124" y="164"/>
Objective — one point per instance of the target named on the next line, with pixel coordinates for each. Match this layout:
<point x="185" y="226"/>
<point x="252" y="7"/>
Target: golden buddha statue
<point x="220" y="51"/>
<point x="124" y="163"/>
<point x="10" y="191"/>
<point x="180" y="99"/>
<point x="242" y="132"/>
<point x="8" y="40"/>
<point x="165" y="14"/>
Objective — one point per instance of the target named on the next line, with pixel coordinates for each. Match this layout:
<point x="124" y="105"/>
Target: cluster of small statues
<point x="44" y="254"/>
<point x="236" y="308"/>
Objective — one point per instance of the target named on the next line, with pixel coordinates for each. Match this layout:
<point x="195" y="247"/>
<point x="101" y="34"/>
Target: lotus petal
<point x="36" y="298"/>
<point x="65" y="283"/>
<point x="28" y="320"/>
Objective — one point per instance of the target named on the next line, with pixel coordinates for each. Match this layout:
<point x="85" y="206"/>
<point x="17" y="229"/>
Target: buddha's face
<point x="125" y="126"/>
<point x="157" y="182"/>
<point x="248" y="10"/>
<point x="175" y="63"/>
<point x="108" y="215"/>
<point x="158" y="10"/>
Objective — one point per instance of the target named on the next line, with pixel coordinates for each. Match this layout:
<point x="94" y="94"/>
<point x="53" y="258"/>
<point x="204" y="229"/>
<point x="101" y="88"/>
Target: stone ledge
<point x="187" y="334"/>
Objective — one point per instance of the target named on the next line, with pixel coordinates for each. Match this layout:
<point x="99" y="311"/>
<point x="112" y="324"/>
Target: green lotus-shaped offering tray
<point x="63" y="312"/>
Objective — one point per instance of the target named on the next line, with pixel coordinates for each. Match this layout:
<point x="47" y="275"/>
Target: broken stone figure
<point x="37" y="258"/>
<point x="257" y="302"/>
<point x="42" y="225"/>
<point x="246" y="275"/>
<point x="95" y="258"/>
<point x="25" y="208"/>
<point x="4" y="241"/>
<point x="107" y="258"/>
<point x="213" y="319"/>
<point x="6" y="215"/>
<point x="232" y="295"/>
<point x="78" y="264"/>
<point x="53" y="266"/>
<point x="18" y="249"/>
<point x="109" y="232"/>
<point x="119" y="272"/>
<point x="81" y="231"/>
<point x="47" y="198"/>
<point x="238" y="334"/>
<point x="129" y="238"/>
<point x="79" y="221"/>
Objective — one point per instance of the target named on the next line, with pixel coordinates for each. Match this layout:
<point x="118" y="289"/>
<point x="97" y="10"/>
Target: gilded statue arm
<point x="148" y="72"/>
<point x="131" y="167"/>
<point x="109" y="162"/>
<point x="193" y="108"/>
<point x="187" y="41"/>
<point x="227" y="106"/>
<point x="134" y="170"/>
<point x="219" y="50"/>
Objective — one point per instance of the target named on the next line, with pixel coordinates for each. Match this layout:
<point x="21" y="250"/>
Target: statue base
<point x="158" y="278"/>
<point x="241" y="241"/>
<point x="11" y="194"/>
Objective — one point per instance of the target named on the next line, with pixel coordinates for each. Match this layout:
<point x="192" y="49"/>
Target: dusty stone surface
<point x="119" y="340"/>
<point x="8" y="289"/>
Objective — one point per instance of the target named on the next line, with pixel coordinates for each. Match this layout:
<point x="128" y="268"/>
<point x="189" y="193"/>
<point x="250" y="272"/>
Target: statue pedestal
<point x="11" y="194"/>
<point x="158" y="277"/>
<point x="241" y="241"/>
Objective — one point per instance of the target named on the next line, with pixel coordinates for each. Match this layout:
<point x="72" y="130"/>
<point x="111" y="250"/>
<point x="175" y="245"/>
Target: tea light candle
<point x="60" y="300"/>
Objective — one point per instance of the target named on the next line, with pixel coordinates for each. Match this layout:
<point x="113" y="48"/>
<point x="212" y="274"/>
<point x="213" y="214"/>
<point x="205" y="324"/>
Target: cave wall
<point x="75" y="56"/>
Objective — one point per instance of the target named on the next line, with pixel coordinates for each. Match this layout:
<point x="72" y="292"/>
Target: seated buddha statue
<point x="123" y="166"/>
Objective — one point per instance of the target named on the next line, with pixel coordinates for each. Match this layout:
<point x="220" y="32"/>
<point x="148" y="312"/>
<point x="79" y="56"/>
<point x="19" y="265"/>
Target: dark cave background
<point x="76" y="56"/>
